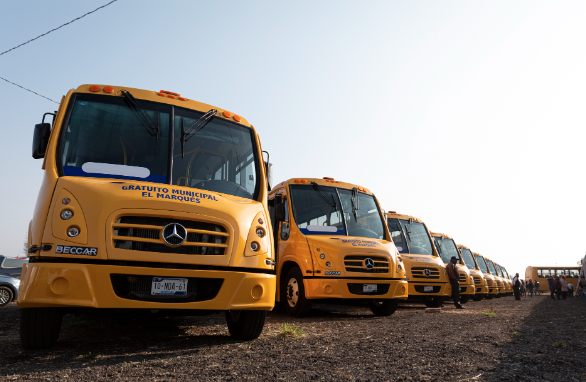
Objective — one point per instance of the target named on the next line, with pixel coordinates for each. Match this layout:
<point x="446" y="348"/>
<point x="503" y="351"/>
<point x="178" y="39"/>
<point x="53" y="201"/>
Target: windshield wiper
<point x="355" y="205"/>
<point x="151" y="127"/>
<point x="320" y="191"/>
<point x="195" y="127"/>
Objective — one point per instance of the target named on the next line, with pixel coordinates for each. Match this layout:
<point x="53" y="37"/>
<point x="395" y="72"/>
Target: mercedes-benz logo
<point x="369" y="263"/>
<point x="427" y="272"/>
<point x="174" y="234"/>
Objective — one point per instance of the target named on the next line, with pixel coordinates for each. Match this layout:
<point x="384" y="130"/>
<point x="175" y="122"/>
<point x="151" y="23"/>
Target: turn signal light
<point x="94" y="88"/>
<point x="108" y="89"/>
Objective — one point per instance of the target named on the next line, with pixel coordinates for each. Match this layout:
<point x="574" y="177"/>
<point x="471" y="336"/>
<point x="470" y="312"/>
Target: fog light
<point x="66" y="214"/>
<point x="260" y="232"/>
<point x="73" y="231"/>
<point x="254" y="246"/>
<point x="328" y="264"/>
<point x="322" y="256"/>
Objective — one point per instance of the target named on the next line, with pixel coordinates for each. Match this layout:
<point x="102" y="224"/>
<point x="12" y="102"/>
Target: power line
<point x="10" y="82"/>
<point x="61" y="26"/>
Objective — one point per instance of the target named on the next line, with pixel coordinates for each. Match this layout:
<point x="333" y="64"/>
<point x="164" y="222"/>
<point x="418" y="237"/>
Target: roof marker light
<point x="227" y="114"/>
<point x="171" y="96"/>
<point x="328" y="178"/>
<point x="181" y="99"/>
<point x="303" y="181"/>
<point x="297" y="180"/>
<point x="160" y="94"/>
<point x="168" y="92"/>
<point x="237" y="118"/>
<point x="94" y="88"/>
<point x="108" y="89"/>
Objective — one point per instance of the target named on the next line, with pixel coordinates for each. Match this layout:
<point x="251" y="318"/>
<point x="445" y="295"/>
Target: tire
<point x="464" y="299"/>
<point x="293" y="294"/>
<point x="383" y="307"/>
<point x="434" y="302"/>
<point x="6" y="295"/>
<point x="477" y="298"/>
<point x="39" y="327"/>
<point x="245" y="325"/>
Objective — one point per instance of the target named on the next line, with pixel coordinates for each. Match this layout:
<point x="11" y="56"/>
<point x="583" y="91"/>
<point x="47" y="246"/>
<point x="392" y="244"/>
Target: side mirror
<point x="269" y="167"/>
<point x="41" y="139"/>
<point x="280" y="211"/>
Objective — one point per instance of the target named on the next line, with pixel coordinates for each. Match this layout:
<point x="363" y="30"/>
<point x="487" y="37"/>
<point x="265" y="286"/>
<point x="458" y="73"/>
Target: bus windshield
<point x="468" y="259"/>
<point x="481" y="263"/>
<point x="413" y="236"/>
<point x="446" y="248"/>
<point x="104" y="137"/>
<point x="320" y="210"/>
<point x="491" y="267"/>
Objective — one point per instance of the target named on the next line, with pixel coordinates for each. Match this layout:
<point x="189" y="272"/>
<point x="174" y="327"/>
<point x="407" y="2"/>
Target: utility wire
<point x="61" y="26"/>
<point x="28" y="90"/>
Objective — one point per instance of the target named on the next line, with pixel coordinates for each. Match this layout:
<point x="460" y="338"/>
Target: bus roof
<point x="436" y="234"/>
<point x="162" y="96"/>
<point x="395" y="215"/>
<point x="462" y="246"/>
<point x="326" y="181"/>
<point x="554" y="266"/>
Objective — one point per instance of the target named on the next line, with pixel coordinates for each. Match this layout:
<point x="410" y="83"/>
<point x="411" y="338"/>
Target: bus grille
<point x="138" y="287"/>
<point x="356" y="288"/>
<point x="477" y="280"/>
<point x="419" y="273"/>
<point x="488" y="282"/>
<point x="143" y="233"/>
<point x="498" y="284"/>
<point x="463" y="278"/>
<point x="355" y="263"/>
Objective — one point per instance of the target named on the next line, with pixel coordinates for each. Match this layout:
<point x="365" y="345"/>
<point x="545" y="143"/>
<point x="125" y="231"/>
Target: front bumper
<point x="481" y="289"/>
<point x="465" y="289"/>
<point x="91" y="286"/>
<point x="439" y="289"/>
<point x="323" y="288"/>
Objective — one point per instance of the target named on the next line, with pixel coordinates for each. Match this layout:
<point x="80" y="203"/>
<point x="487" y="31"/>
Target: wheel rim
<point x="4" y="296"/>
<point x="292" y="292"/>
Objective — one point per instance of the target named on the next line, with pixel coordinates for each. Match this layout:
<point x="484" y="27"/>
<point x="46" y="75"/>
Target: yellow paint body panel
<point x="415" y="265"/>
<point x="60" y="279"/>
<point x="304" y="252"/>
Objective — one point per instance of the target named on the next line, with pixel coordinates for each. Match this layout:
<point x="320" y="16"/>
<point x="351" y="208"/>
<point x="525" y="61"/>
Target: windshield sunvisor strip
<point x="78" y="171"/>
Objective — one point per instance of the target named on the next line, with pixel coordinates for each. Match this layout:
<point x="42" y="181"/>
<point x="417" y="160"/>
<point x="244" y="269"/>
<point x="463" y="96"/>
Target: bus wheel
<point x="383" y="307"/>
<point x="434" y="302"/>
<point x="489" y="296"/>
<point x="293" y="294"/>
<point x="245" y="325"/>
<point x="477" y="298"/>
<point x="39" y="327"/>
<point x="6" y="295"/>
<point x="464" y="299"/>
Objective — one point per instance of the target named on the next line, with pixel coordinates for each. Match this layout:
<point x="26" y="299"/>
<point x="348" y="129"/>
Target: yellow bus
<point x="497" y="278"/>
<point x="481" y="288"/>
<point x="428" y="279"/>
<point x="542" y="273"/>
<point x="150" y="202"/>
<point x="507" y="283"/>
<point x="447" y="248"/>
<point x="489" y="278"/>
<point x="331" y="242"/>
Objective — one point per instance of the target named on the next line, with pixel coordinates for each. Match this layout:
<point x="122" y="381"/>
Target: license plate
<point x="428" y="288"/>
<point x="369" y="287"/>
<point x="168" y="286"/>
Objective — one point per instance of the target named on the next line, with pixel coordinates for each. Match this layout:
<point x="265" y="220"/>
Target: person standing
<point x="571" y="289"/>
<point x="564" y="286"/>
<point x="558" y="288"/>
<point x="516" y="287"/>
<point x="522" y="288"/>
<point x="551" y="284"/>
<point x="536" y="285"/>
<point x="454" y="276"/>
<point x="530" y="287"/>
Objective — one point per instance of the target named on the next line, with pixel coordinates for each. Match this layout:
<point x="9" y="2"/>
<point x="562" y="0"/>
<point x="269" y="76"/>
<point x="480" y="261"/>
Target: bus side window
<point x="539" y="273"/>
<point x="545" y="273"/>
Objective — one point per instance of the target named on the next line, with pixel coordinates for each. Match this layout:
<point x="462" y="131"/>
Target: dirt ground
<point x="534" y="339"/>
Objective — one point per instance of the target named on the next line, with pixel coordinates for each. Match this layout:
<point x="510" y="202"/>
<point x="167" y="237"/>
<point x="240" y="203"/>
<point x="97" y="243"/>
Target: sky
<point x="468" y="115"/>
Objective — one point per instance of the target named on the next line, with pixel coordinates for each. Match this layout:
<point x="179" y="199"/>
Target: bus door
<point x="280" y="221"/>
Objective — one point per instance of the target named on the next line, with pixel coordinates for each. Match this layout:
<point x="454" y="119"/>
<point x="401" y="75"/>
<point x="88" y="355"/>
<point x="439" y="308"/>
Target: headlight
<point x="66" y="214"/>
